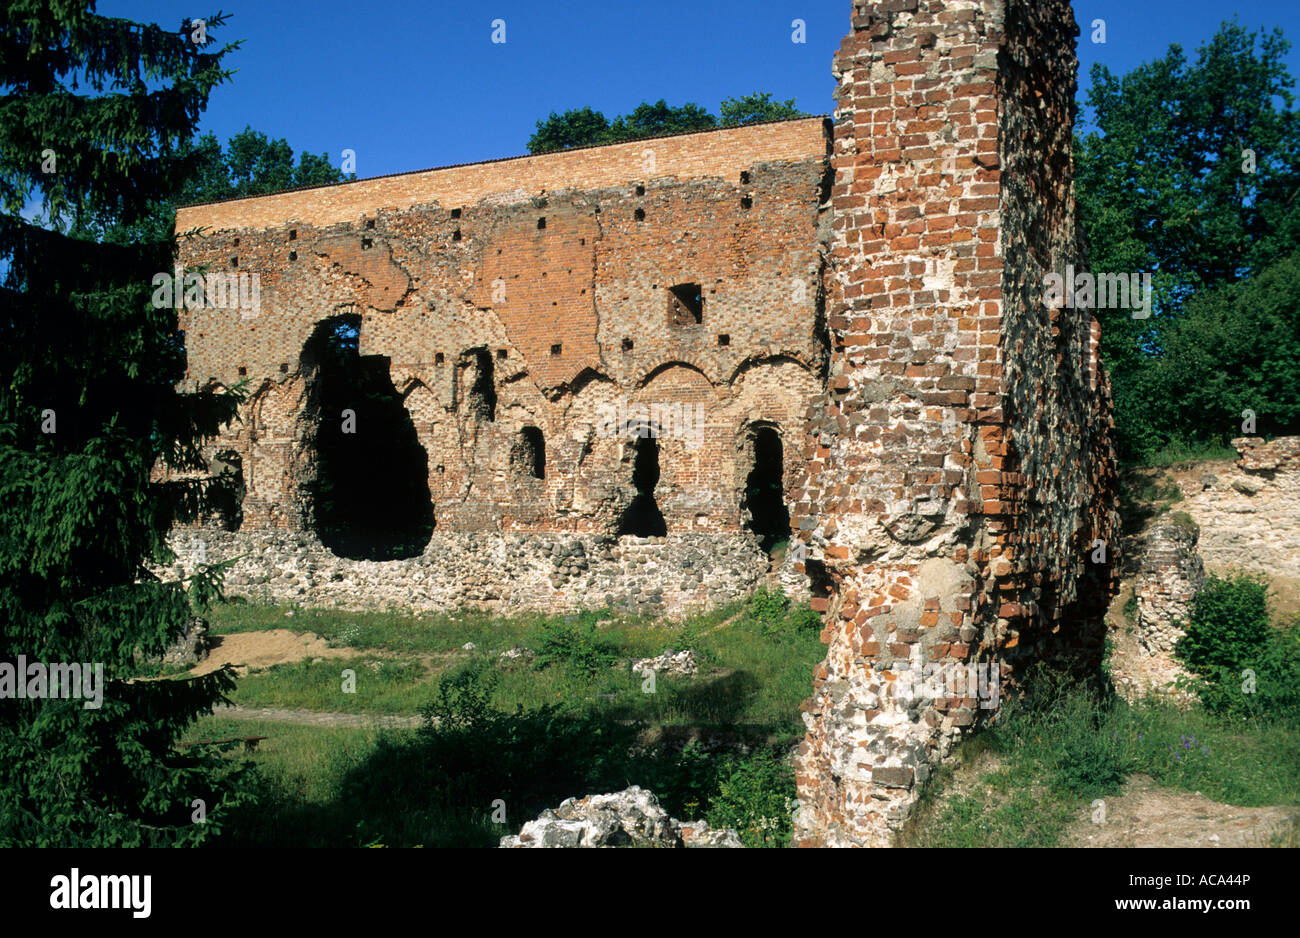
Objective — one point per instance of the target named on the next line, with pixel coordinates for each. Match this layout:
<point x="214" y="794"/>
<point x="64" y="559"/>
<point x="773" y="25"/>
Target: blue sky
<point x="410" y="84"/>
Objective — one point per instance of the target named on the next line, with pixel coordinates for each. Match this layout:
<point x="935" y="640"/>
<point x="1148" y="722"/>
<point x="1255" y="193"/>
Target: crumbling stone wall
<point x="1249" y="516"/>
<point x="946" y="435"/>
<point x="1170" y="574"/>
<point x="961" y="467"/>
<point x="549" y="281"/>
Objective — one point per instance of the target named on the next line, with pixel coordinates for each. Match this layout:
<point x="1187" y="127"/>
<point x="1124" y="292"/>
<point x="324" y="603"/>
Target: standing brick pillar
<point x="960" y="468"/>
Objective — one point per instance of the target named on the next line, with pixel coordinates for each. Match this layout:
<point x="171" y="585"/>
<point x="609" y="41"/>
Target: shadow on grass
<point x="473" y="773"/>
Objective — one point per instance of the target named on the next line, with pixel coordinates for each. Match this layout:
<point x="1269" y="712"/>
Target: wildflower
<point x="1178" y="757"/>
<point x="1205" y="749"/>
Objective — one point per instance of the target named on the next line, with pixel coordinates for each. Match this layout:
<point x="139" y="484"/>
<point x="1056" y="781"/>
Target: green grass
<point x="1177" y="453"/>
<point x="750" y="675"/>
<point x="1071" y="746"/>
<point x="381" y="686"/>
<point x="573" y="719"/>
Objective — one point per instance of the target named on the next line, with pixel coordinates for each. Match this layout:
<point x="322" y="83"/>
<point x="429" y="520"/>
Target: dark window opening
<point x="293" y="234"/>
<point x="481" y="396"/>
<point x="284" y="368"/>
<point x="685" y="304"/>
<point x="234" y="262"/>
<point x="243" y="370"/>
<point x="764" y="501"/>
<point x="643" y="517"/>
<point x="455" y="213"/>
<point x="501" y="354"/>
<point x="724" y="339"/>
<point x="528" y="455"/>
<point x="455" y="235"/>
<point x="744" y="177"/>
<point x="557" y="349"/>
<point x="370" y="495"/>
<point x="293" y="255"/>
<point x="370" y="223"/>
<point x="746" y="202"/>
<point x="627" y="345"/>
<point x="227" y="490"/>
<point x="541" y="224"/>
<point x="365" y="243"/>
<point x="439" y="358"/>
<point x="236" y="242"/>
<point x="640" y="190"/>
<point x="640" y="214"/>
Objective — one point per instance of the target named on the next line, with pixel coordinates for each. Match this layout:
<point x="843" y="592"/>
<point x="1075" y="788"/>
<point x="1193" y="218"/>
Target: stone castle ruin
<point x="622" y="375"/>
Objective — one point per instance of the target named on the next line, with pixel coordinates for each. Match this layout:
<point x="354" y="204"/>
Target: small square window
<point x="439" y="358"/>
<point x="639" y="214"/>
<point x="293" y="255"/>
<point x="627" y="345"/>
<point x="293" y="234"/>
<point x="455" y="235"/>
<point x="685" y="304"/>
<point x="366" y="243"/>
<point x="640" y="190"/>
<point x="501" y="354"/>
<point x="744" y="177"/>
<point x="557" y="349"/>
<point x="455" y="213"/>
<point x="541" y="224"/>
<point x="746" y="202"/>
<point x="243" y="370"/>
<point x="370" y="223"/>
<point x="236" y="242"/>
<point x="234" y="262"/>
<point x="724" y="339"/>
<point x="284" y="368"/>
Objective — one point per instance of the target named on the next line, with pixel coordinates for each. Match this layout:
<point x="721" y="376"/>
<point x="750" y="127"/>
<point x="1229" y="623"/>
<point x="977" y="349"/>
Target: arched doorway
<point x="643" y="517"/>
<point x="764" y="498"/>
<point x="370" y="493"/>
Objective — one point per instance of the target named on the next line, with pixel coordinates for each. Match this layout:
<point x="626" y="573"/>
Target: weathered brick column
<point x="961" y="467"/>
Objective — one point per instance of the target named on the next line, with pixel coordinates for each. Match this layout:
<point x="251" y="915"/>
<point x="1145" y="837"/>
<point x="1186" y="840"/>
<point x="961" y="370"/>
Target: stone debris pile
<point x="629" y="818"/>
<point x="681" y="662"/>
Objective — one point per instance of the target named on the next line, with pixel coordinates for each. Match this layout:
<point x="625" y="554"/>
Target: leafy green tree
<point x="88" y="407"/>
<point x="580" y="127"/>
<point x="756" y="108"/>
<point x="1165" y="185"/>
<point x="660" y="120"/>
<point x="1234" y="348"/>
<point x="584" y="127"/>
<point x="253" y="164"/>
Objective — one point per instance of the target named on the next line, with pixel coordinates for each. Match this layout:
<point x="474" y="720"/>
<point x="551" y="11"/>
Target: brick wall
<point x="566" y="289"/>
<point x="960" y="463"/>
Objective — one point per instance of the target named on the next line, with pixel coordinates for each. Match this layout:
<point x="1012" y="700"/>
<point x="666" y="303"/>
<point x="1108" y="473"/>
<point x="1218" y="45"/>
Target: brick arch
<point x="756" y="361"/>
<point x="683" y="362"/>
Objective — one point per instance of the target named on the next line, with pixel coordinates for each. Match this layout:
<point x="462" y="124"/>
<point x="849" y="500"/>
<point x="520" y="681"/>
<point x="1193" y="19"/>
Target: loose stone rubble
<point x="680" y="663"/>
<point x="629" y="818"/>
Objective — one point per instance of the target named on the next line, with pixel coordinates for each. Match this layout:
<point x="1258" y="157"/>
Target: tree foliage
<point x="1164" y="185"/>
<point x="585" y="127"/>
<point x="88" y="407"/>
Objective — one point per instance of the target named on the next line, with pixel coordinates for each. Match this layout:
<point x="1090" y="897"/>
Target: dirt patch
<point x="257" y="651"/>
<point x="1146" y="815"/>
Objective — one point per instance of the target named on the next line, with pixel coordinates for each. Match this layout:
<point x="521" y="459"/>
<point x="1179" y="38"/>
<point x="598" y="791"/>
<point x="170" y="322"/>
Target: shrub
<point x="775" y="615"/>
<point x="576" y="641"/>
<point x="1228" y="624"/>
<point x="755" y="797"/>
<point x="1243" y="666"/>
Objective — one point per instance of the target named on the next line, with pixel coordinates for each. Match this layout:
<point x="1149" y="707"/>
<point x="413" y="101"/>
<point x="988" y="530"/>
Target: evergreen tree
<point x="94" y="118"/>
